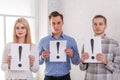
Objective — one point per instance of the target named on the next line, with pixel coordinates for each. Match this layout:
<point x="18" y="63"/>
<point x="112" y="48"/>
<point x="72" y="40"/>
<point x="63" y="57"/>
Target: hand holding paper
<point x="69" y="52"/>
<point x="101" y="57"/>
<point x="84" y="56"/>
<point x="31" y="59"/>
<point x="45" y="54"/>
<point x="92" y="46"/>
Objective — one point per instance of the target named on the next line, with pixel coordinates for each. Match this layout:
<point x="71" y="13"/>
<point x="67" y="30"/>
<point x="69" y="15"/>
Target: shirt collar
<point x="61" y="36"/>
<point x="102" y="37"/>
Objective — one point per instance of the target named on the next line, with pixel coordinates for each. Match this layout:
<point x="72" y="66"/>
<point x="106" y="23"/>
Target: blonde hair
<point x="26" y="25"/>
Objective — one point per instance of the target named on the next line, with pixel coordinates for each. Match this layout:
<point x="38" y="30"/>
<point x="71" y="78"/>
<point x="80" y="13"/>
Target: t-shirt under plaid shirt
<point x="99" y="71"/>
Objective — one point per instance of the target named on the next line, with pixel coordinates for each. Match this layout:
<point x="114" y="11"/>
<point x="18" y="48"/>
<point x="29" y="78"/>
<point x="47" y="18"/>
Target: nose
<point x="96" y="26"/>
<point x="56" y="26"/>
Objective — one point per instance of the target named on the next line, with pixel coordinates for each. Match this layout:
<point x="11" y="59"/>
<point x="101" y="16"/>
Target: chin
<point x="98" y="33"/>
<point x="20" y="36"/>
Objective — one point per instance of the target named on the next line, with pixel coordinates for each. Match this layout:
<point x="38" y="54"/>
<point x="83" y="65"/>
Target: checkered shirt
<point x="99" y="71"/>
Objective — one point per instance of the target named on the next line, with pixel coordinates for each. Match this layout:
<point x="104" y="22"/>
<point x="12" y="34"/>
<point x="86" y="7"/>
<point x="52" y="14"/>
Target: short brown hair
<point x="100" y="16"/>
<point x="55" y="14"/>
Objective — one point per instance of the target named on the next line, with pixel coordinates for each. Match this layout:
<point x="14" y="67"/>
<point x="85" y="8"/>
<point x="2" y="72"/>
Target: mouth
<point x="97" y="29"/>
<point x="20" y="33"/>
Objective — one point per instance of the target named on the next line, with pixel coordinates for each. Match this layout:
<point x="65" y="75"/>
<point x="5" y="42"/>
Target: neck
<point x="57" y="35"/>
<point x="100" y="35"/>
<point x="21" y="40"/>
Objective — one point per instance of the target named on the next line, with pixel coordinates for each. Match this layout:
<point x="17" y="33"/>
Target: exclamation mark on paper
<point x="92" y="48"/>
<point x="58" y="45"/>
<point x="20" y="53"/>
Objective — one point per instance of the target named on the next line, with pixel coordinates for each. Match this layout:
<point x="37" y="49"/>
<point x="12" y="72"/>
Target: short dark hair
<point x="55" y="14"/>
<point x="100" y="16"/>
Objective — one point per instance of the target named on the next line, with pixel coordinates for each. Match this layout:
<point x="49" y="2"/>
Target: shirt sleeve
<point x="6" y="52"/>
<point x="114" y="60"/>
<point x="35" y="66"/>
<point x="83" y="66"/>
<point x="41" y="61"/>
<point x="76" y="58"/>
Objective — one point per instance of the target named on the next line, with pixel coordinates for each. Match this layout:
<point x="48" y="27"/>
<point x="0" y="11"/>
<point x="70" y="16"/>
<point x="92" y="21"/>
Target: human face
<point x="99" y="26"/>
<point x="20" y="30"/>
<point x="56" y="24"/>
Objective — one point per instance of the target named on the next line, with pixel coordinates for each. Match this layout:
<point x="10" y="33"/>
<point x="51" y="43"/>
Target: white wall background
<point x="78" y="16"/>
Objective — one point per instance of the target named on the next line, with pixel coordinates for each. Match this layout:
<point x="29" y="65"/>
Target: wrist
<point x="105" y="62"/>
<point x="42" y="57"/>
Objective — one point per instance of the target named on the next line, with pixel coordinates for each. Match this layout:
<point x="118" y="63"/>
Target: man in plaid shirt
<point x="110" y="56"/>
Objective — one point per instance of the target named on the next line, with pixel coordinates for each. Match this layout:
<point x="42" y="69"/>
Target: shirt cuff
<point x="41" y="60"/>
<point x="5" y="67"/>
<point x="109" y="66"/>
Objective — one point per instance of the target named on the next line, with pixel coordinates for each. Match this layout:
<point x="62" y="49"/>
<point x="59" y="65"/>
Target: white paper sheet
<point x="97" y="48"/>
<point x="57" y="51"/>
<point x="20" y="62"/>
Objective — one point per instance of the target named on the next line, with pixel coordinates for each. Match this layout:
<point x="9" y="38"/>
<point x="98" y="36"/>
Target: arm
<point x="35" y="56"/>
<point x="43" y="54"/>
<point x="113" y="63"/>
<point x="84" y="56"/>
<point x="76" y="57"/>
<point x="84" y="66"/>
<point x="41" y="61"/>
<point x="6" y="53"/>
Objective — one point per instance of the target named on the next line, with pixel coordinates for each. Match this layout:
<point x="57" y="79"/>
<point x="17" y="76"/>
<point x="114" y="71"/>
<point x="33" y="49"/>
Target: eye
<point x="59" y="23"/>
<point x="17" y="27"/>
<point x="53" y="23"/>
<point x="100" y="24"/>
<point x="95" y="24"/>
<point x="22" y="27"/>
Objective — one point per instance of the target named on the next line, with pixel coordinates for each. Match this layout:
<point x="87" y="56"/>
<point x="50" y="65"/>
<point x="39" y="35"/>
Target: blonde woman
<point x="21" y="35"/>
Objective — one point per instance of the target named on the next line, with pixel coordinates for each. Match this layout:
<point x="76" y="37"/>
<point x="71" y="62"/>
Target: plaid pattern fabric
<point x="99" y="71"/>
<point x="116" y="75"/>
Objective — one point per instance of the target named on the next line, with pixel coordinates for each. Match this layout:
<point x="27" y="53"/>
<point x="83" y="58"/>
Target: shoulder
<point x="33" y="45"/>
<point x="45" y="38"/>
<point x="113" y="41"/>
<point x="68" y="37"/>
<point x="70" y="40"/>
<point x="8" y="45"/>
